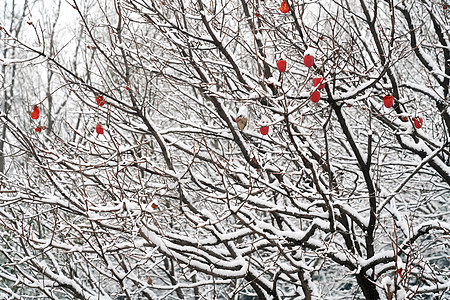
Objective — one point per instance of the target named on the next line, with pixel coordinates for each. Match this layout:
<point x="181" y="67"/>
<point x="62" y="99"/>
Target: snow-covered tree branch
<point x="239" y="149"/>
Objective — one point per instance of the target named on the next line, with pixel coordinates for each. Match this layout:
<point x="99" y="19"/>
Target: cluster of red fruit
<point x="308" y="60"/>
<point x="388" y="101"/>
<point x="100" y="102"/>
<point x="281" y="65"/>
<point x="35" y="113"/>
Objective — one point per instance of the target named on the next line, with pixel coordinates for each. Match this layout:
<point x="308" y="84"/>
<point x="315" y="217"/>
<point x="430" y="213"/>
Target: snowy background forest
<point x="224" y="149"/>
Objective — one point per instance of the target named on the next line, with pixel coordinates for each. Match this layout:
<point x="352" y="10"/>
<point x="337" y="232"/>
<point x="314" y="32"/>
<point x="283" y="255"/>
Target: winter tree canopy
<point x="225" y="149"/>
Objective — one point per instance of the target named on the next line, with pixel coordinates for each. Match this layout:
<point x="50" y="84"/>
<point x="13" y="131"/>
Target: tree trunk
<point x="367" y="286"/>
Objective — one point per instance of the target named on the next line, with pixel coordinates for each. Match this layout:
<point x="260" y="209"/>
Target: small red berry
<point x="35" y="113"/>
<point x="418" y="123"/>
<point x="308" y="60"/>
<point x="281" y="65"/>
<point x="40" y="128"/>
<point x="99" y="129"/>
<point x="284" y="8"/>
<point x="264" y="130"/>
<point x="154" y="206"/>
<point x="100" y="100"/>
<point x="317" y="81"/>
<point x="315" y="97"/>
<point x="400" y="272"/>
<point x="388" y="100"/>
